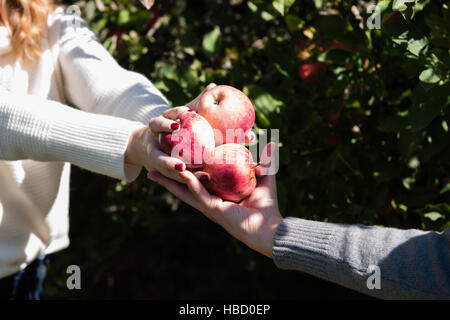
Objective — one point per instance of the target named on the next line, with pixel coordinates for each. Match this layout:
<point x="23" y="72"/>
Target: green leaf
<point x="282" y="6"/>
<point x="408" y="143"/>
<point x="257" y="7"/>
<point x="262" y="120"/>
<point x="394" y="123"/>
<point x="415" y="46"/>
<point x="293" y="23"/>
<point x="380" y="8"/>
<point x="280" y="58"/>
<point x="123" y="18"/>
<point x="408" y="182"/>
<point x="428" y="78"/>
<point x="263" y="101"/>
<point x="212" y="42"/>
<point x="445" y="189"/>
<point x="335" y="27"/>
<point x="433" y="216"/>
<point x="336" y="56"/>
<point x="426" y="105"/>
<point x="318" y="4"/>
<point x="166" y="71"/>
<point x="401" y="5"/>
<point x="99" y="25"/>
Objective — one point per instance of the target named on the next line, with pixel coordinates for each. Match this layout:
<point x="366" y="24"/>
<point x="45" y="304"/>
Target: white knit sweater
<point x="40" y="135"/>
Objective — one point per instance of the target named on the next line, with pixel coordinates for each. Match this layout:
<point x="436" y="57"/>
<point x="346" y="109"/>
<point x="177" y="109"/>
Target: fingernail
<point x="175" y="126"/>
<point x="269" y="150"/>
<point x="179" y="167"/>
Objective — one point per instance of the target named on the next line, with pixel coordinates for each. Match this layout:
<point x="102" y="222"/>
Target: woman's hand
<point x="143" y="147"/>
<point x="254" y="221"/>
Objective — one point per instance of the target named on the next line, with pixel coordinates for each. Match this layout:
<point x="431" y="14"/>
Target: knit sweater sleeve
<point x="93" y="81"/>
<point x="113" y="103"/>
<point x="35" y="128"/>
<point x="382" y="262"/>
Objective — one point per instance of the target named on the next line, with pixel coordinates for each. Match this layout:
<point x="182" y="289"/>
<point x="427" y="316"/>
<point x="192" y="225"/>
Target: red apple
<point x="192" y="142"/>
<point x="310" y="71"/>
<point x="229" y="111"/>
<point x="231" y="173"/>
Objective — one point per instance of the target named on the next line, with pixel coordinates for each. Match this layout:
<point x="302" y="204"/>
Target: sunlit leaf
<point x="212" y="42"/>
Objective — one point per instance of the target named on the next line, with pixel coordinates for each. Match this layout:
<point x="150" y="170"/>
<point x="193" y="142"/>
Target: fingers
<point x="267" y="157"/>
<point x="178" y="189"/>
<point x="196" y="188"/>
<point x="270" y="183"/>
<point x="209" y="87"/>
<point x="173" y="113"/>
<point x="168" y="166"/>
<point x="250" y="137"/>
<point x="162" y="124"/>
<point x="193" y="104"/>
<point x="166" y="121"/>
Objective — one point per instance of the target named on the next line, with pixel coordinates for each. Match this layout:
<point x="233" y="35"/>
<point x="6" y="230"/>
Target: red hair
<point x="26" y="21"/>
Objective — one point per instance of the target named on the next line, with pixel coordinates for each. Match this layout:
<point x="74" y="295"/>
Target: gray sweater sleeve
<point x="411" y="264"/>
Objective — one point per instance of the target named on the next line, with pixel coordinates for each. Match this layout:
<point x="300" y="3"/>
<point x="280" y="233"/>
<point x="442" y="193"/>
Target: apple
<point x="310" y="71"/>
<point x="192" y="142"/>
<point x="231" y="173"/>
<point x="229" y="111"/>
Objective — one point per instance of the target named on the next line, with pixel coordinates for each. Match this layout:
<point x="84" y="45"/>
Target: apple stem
<point x="256" y="165"/>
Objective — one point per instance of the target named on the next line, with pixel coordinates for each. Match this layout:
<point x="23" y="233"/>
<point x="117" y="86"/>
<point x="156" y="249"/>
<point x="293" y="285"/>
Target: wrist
<point x="268" y="236"/>
<point x="136" y="146"/>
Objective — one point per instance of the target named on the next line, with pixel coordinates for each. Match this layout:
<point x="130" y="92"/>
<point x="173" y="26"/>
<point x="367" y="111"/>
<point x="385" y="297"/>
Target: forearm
<point x="412" y="263"/>
<point x="44" y="130"/>
<point x="95" y="82"/>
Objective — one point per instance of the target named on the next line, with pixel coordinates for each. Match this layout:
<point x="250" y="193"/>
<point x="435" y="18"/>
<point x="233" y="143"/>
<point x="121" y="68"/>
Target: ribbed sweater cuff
<point x="303" y="245"/>
<point x="94" y="142"/>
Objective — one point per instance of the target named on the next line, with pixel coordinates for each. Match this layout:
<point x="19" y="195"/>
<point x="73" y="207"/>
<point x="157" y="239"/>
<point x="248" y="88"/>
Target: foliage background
<point x="366" y="142"/>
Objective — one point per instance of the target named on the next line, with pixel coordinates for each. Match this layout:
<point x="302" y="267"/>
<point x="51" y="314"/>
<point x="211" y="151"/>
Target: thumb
<point x="267" y="186"/>
<point x="267" y="157"/>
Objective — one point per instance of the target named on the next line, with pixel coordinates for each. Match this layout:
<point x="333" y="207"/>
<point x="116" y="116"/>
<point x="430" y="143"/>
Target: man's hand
<point x="254" y="221"/>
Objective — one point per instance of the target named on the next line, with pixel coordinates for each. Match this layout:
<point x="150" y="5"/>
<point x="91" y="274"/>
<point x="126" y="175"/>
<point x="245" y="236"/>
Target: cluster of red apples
<point x="210" y="142"/>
